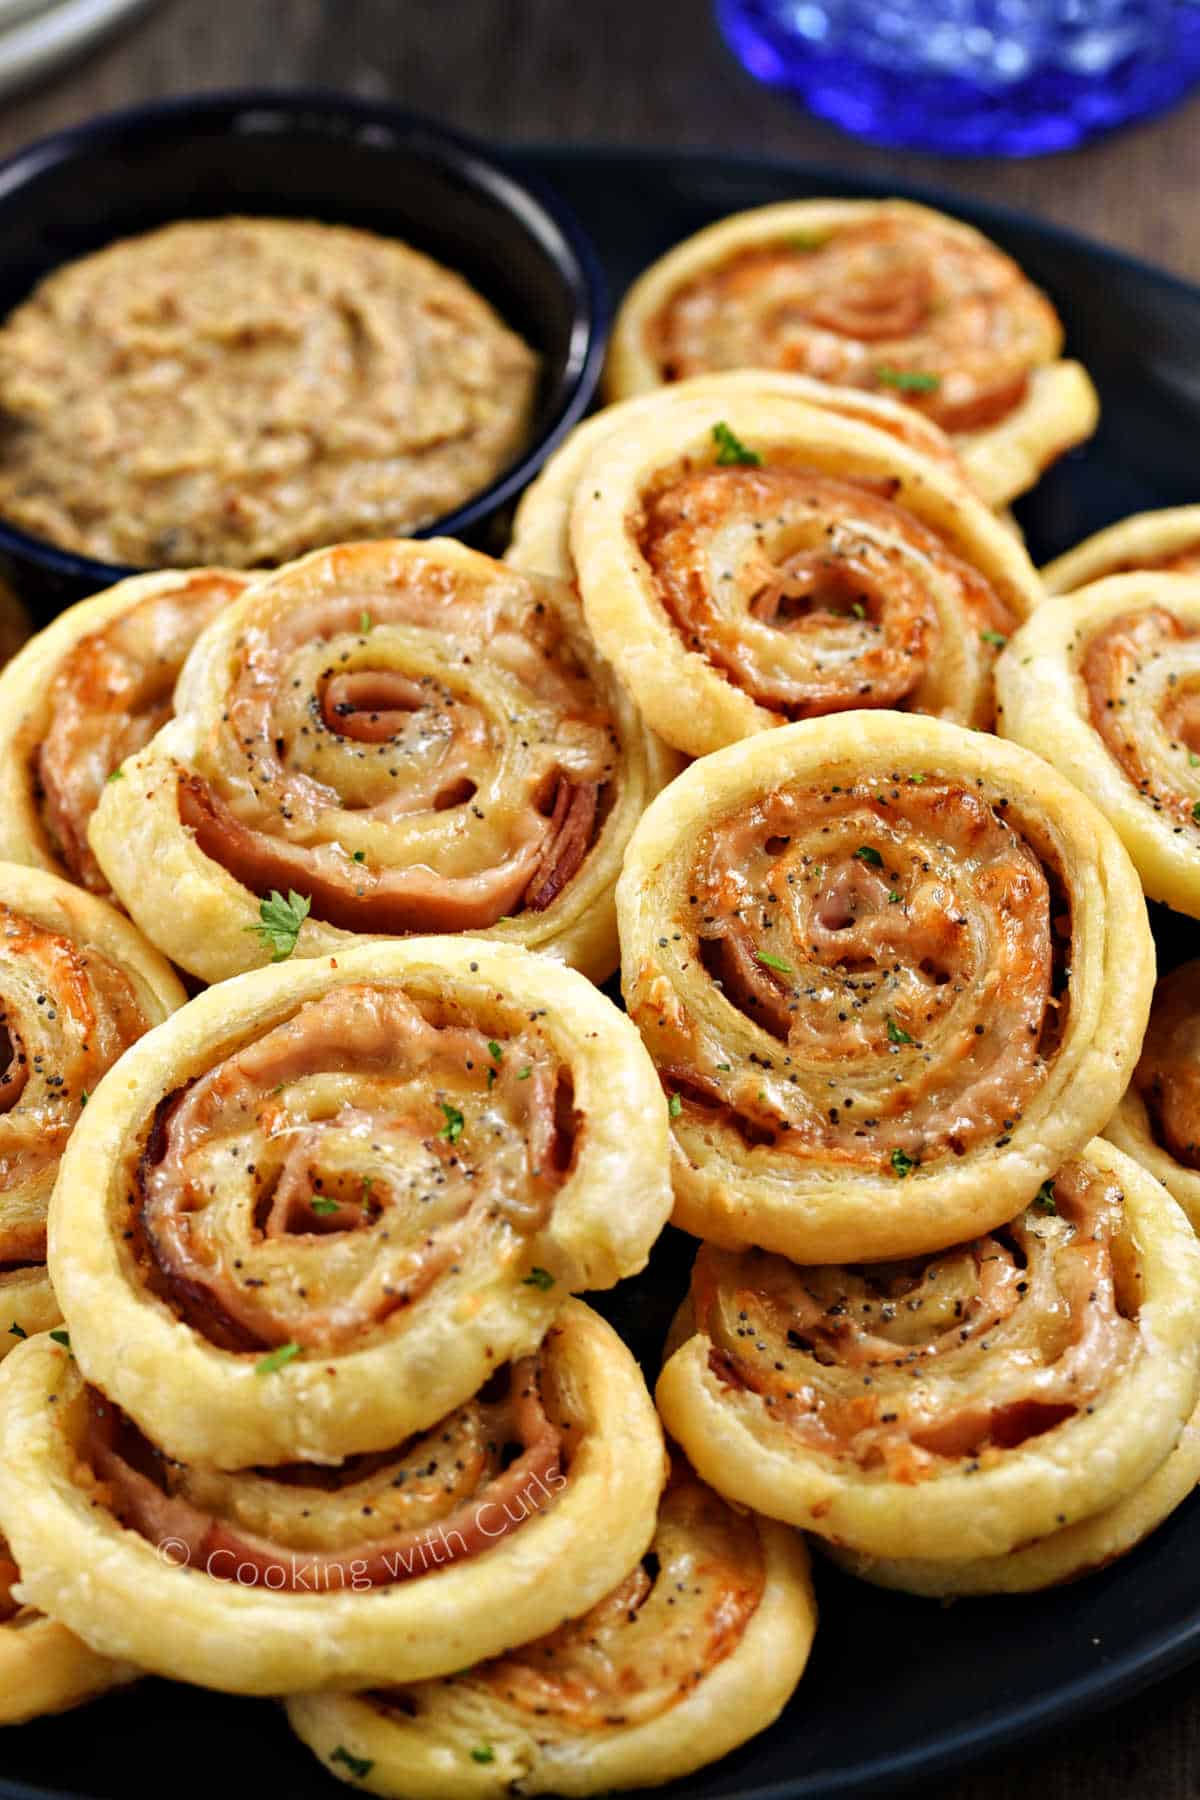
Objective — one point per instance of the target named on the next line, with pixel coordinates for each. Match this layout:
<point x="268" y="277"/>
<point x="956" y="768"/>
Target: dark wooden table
<point x="654" y="72"/>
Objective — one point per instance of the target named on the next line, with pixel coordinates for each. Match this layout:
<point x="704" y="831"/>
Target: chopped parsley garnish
<point x="325" y="1206"/>
<point x="453" y="1128"/>
<point x="893" y="898"/>
<point x="1045" y="1197"/>
<point x="674" y="1106"/>
<point x="806" y="240"/>
<point x="84" y="1096"/>
<point x="725" y="1067"/>
<point x="867" y="853"/>
<point x="360" y="856"/>
<point x="359" y="1766"/>
<point x="909" y="381"/>
<point x="902" y="1163"/>
<point x="17" y="1331"/>
<point x="1196" y="813"/>
<point x="773" y="962"/>
<point x="366" y="623"/>
<point x="483" y="1753"/>
<point x="280" y="921"/>
<point x="118" y="774"/>
<point x="278" y="1359"/>
<point x="1193" y="760"/>
<point x="730" y="448"/>
<point x="540" y="1278"/>
<point x="859" y="610"/>
<point x="994" y="637"/>
<point x="525" y="1073"/>
<point x="61" y="1337"/>
<point x="897" y="1034"/>
<point x="494" y="1051"/>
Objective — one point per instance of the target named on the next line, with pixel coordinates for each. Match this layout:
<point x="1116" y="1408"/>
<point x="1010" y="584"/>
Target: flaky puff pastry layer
<point x="1103" y="683"/>
<point x="541" y="524"/>
<point x="211" y="1619"/>
<point x="78" y="983"/>
<point x="44" y="1668"/>
<point x="1167" y="540"/>
<point x="89" y="690"/>
<point x="756" y="558"/>
<point x="385" y="1169"/>
<point x="1068" y="1554"/>
<point x="892" y="974"/>
<point x="694" y="1653"/>
<point x="1043" y="1374"/>
<point x="410" y="736"/>
<point x="1158" y="1120"/>
<point x="876" y="294"/>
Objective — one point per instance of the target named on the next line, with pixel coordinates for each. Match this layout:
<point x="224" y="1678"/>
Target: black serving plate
<point x="898" y="1689"/>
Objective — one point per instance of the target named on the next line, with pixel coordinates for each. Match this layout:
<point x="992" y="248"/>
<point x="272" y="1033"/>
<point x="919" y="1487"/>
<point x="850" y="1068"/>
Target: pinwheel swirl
<point x="772" y="560"/>
<point x="43" y="1667"/>
<point x="1168" y="540"/>
<point x="409" y="735"/>
<point x="90" y="690"/>
<point x="541" y="526"/>
<point x="871" y="294"/>
<point x="696" y="1650"/>
<point x="1105" y="684"/>
<point x="371" y="1179"/>
<point x="1158" y="1120"/>
<point x="77" y="985"/>
<point x="956" y="1407"/>
<point x="892" y="974"/>
<point x="519" y="1510"/>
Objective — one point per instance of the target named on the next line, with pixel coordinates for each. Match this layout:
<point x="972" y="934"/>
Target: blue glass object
<point x="982" y="77"/>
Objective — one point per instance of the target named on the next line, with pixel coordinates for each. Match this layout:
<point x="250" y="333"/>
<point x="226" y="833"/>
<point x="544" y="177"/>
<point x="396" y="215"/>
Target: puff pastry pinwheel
<point x="410" y="736"/>
<point x="1066" y="1554"/>
<point x="1158" y="1120"/>
<point x="954" y="1407"/>
<point x="1169" y="540"/>
<point x="78" y="984"/>
<point x="43" y="1667"/>
<point x="541" y="525"/>
<point x="695" y="1651"/>
<point x="768" y="560"/>
<point x="879" y="294"/>
<point x="523" y="1507"/>
<point x="892" y="973"/>
<point x="1105" y="684"/>
<point x="88" y="691"/>
<point x="370" y="1178"/>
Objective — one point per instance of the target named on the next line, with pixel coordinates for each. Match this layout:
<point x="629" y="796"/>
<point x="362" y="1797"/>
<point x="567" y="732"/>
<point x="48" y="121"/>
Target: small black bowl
<point x="319" y="156"/>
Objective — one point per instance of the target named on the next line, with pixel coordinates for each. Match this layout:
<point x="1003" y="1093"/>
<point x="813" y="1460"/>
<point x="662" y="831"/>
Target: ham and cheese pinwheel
<point x="315" y="1212"/>
<point x="1158" y="1120"/>
<point x="955" y="1407"/>
<point x="88" y="691"/>
<point x="749" y="558"/>
<point x="695" y="1651"/>
<point x="1105" y="684"/>
<point x="877" y="294"/>
<point x="78" y="985"/>
<point x="521" y="1508"/>
<point x="1168" y="540"/>
<point x="43" y="1667"/>
<point x="891" y="972"/>
<point x="407" y="736"/>
<point x="541" y="525"/>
